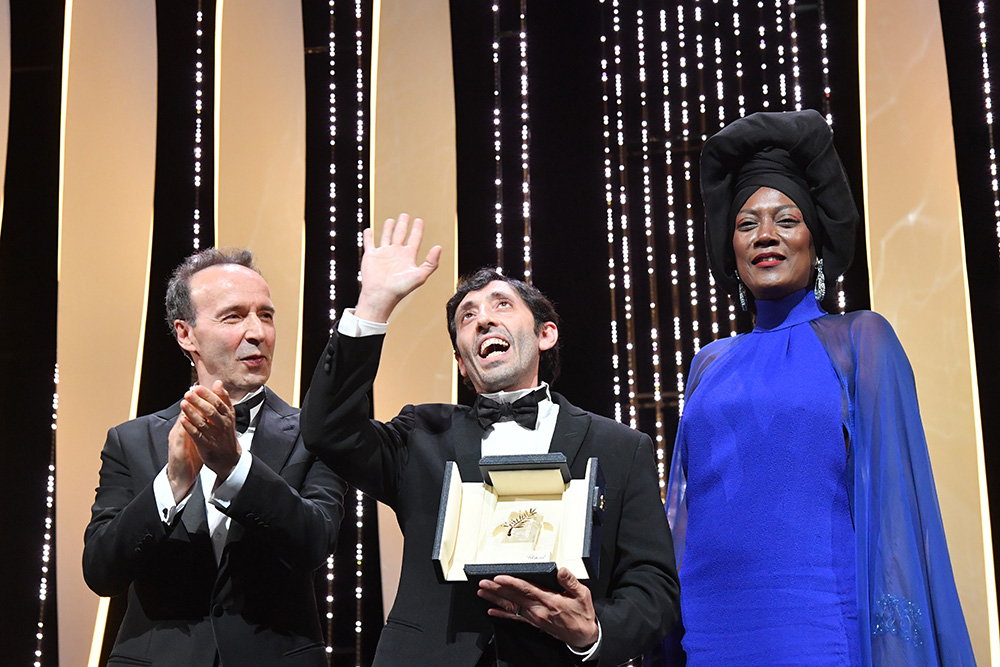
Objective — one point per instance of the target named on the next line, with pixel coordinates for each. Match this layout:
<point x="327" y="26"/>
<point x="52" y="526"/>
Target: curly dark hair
<point x="539" y="304"/>
<point x="178" y="302"/>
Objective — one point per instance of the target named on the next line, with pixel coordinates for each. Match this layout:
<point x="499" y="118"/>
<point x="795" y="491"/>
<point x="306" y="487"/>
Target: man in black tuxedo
<point x="505" y="334"/>
<point x="213" y="516"/>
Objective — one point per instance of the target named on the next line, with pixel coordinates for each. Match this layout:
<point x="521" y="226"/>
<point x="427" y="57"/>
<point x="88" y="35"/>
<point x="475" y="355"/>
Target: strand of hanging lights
<point x="707" y="58"/>
<point x="331" y="273"/>
<point x="617" y="200"/>
<point x="687" y="92"/>
<point x="497" y="136"/>
<point x="332" y="138"/>
<point x="46" y="555"/>
<point x="779" y="27"/>
<point x="741" y="97"/>
<point x="362" y="222"/>
<point x="625" y="239"/>
<point x="824" y="49"/>
<point x="824" y="44"/>
<point x="794" y="40"/>
<point x="199" y="92"/>
<point x="610" y="175"/>
<point x="671" y="218"/>
<point x="524" y="133"/>
<point x="989" y="117"/>
<point x="650" y="237"/>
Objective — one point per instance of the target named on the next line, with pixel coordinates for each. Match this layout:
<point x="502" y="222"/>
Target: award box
<point x="527" y="519"/>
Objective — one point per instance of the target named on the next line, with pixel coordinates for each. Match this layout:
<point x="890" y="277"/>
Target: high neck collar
<point x="798" y="307"/>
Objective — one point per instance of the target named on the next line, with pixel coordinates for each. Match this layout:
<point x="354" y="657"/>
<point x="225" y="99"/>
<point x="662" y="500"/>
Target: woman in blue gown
<point x="801" y="497"/>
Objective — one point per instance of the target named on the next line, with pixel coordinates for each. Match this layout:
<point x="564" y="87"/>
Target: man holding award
<point x="505" y="335"/>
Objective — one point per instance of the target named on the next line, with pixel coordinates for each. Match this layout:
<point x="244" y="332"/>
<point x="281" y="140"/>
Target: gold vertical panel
<point x="413" y="150"/>
<point x="105" y="226"/>
<point x="260" y="158"/>
<point x="918" y="275"/>
<point x="4" y="98"/>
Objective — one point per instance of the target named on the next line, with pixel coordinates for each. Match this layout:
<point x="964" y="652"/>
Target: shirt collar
<point x="511" y="396"/>
<point x="255" y="409"/>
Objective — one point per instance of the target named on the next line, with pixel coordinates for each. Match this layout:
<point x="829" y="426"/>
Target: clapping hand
<point x="208" y="417"/>
<point x="183" y="461"/>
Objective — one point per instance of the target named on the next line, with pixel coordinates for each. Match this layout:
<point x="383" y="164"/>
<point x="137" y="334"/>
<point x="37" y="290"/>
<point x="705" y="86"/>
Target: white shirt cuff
<point x="591" y="652"/>
<point x="354" y="327"/>
<point x="223" y="494"/>
<point x="165" y="505"/>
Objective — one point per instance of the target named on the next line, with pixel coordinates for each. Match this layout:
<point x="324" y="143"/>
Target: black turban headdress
<point x="791" y="152"/>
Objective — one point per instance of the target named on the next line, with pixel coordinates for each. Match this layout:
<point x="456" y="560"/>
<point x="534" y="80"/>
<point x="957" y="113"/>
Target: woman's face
<point x="774" y="249"/>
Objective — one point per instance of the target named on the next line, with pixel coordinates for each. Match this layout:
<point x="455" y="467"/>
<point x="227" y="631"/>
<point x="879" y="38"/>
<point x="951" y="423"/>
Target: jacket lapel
<point x="572" y="425"/>
<point x="466" y="436"/>
<point x="159" y="433"/>
<point x="276" y="432"/>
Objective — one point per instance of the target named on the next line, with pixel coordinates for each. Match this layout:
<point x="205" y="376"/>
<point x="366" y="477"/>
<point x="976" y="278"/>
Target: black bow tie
<point x="243" y="412"/>
<point x="524" y="410"/>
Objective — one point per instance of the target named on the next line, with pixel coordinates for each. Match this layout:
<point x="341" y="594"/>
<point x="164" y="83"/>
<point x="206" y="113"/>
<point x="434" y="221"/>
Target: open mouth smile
<point x="768" y="259"/>
<point x="492" y="346"/>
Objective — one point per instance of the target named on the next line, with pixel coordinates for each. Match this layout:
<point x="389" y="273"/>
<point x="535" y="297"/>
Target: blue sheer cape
<point x="908" y="606"/>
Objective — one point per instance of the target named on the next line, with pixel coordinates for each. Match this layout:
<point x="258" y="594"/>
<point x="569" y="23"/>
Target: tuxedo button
<point x="217" y="610"/>
<point x="146" y="539"/>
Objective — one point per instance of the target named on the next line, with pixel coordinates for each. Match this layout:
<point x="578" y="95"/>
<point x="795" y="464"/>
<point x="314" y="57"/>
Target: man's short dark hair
<point x="178" y="301"/>
<point x="539" y="304"/>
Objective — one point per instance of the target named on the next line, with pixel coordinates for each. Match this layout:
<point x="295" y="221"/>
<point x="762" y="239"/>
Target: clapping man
<point x="211" y="514"/>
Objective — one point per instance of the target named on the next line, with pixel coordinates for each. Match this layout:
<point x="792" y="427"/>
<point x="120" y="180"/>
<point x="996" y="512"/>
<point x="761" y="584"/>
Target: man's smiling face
<point x="232" y="336"/>
<point x="498" y="341"/>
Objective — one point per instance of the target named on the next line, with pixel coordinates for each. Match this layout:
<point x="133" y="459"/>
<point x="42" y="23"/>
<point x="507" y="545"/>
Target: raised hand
<point x="568" y="616"/>
<point x="389" y="271"/>
<point x="208" y="417"/>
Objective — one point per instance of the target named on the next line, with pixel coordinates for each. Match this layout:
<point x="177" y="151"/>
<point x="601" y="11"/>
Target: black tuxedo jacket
<point x="258" y="606"/>
<point x="402" y="462"/>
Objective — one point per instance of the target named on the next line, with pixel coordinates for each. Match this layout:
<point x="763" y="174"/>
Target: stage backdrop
<point x="918" y="275"/>
<point x="109" y="121"/>
<point x="105" y="222"/>
<point x="413" y="153"/>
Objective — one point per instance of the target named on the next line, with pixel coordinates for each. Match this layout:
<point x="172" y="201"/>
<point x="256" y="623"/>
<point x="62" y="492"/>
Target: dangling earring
<point x="820" y="288"/>
<point x="743" y="293"/>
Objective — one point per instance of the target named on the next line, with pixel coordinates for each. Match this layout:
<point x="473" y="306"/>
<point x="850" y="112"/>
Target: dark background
<point x="569" y="236"/>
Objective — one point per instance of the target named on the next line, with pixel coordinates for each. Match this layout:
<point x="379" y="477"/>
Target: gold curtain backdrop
<point x="108" y="146"/>
<point x="919" y="279"/>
